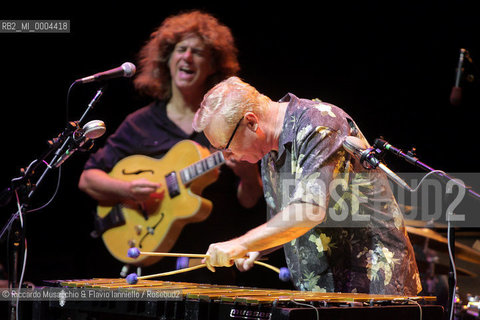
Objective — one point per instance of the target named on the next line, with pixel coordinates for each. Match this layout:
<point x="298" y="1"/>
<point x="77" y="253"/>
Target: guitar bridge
<point x="151" y="230"/>
<point x="172" y="184"/>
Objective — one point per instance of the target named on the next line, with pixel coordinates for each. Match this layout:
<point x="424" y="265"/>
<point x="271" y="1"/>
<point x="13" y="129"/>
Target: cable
<point x="450" y="253"/>
<point x="307" y="305"/>
<point x="54" y="193"/>
<point x="67" y="106"/>
<point x="21" y="279"/>
<point x="419" y="307"/>
<point x="19" y="206"/>
<point x="19" y="213"/>
<point x="425" y="177"/>
<point x="15" y="215"/>
<point x="9" y="223"/>
<point x="452" y="261"/>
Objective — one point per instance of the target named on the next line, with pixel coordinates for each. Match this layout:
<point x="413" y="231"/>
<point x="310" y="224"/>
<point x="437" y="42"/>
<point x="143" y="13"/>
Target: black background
<point x="390" y="65"/>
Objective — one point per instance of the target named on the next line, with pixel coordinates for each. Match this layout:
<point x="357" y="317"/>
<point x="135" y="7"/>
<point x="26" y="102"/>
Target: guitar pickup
<point x="172" y="184"/>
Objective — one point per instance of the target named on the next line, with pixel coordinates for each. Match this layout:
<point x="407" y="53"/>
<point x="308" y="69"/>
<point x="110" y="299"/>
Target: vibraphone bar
<point x="204" y="301"/>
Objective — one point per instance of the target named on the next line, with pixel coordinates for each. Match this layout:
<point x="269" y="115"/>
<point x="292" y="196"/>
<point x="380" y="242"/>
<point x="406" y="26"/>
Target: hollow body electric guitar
<point x="154" y="225"/>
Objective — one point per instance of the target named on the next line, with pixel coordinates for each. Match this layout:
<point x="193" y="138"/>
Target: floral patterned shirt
<point x="362" y="244"/>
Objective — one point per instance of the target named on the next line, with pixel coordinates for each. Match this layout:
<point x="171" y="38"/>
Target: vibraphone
<point x="192" y="301"/>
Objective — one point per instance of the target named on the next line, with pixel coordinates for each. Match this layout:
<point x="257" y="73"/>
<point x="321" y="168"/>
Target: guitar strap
<point x="113" y="219"/>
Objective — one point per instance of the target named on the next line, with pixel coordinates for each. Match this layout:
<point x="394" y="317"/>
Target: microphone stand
<point x="412" y="159"/>
<point x="22" y="185"/>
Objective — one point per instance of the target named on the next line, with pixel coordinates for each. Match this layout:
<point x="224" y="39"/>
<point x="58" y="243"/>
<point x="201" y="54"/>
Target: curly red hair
<point x="154" y="78"/>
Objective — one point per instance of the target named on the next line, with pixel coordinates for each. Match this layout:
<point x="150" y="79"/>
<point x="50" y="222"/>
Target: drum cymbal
<point x="443" y="269"/>
<point x="423" y="224"/>
<point x="438" y="242"/>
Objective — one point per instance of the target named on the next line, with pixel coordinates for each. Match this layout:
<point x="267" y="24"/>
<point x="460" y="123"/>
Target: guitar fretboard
<point x="195" y="170"/>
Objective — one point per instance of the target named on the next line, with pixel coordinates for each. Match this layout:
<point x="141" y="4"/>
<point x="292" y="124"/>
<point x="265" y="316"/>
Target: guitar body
<point x="156" y="224"/>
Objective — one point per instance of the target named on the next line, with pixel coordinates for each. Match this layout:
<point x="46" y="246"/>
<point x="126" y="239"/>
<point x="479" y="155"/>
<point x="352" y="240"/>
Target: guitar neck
<point x="201" y="167"/>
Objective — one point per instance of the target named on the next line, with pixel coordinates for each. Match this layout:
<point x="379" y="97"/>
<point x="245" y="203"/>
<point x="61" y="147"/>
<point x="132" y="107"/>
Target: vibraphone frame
<point x="203" y="301"/>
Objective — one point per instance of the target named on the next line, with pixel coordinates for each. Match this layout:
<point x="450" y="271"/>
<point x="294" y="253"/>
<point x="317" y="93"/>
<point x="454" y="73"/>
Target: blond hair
<point x="231" y="99"/>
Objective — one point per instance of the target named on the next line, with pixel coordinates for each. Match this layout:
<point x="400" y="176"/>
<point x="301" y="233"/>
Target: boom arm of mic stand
<point x="415" y="161"/>
<point x="92" y="103"/>
<point x="469" y="189"/>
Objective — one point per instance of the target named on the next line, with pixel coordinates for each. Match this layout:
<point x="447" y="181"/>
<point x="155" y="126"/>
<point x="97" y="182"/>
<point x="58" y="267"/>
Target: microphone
<point x="456" y="94"/>
<point x="94" y="129"/>
<point x="83" y="138"/>
<point x="368" y="158"/>
<point x="125" y="70"/>
<point x="384" y="145"/>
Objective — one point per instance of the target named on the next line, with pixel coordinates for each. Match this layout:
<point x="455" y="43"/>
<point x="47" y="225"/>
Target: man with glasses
<point x="339" y="224"/>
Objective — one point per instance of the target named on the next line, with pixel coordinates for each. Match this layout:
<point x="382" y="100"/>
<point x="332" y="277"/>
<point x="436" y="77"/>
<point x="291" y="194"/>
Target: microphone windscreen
<point x="456" y="96"/>
<point x="94" y="129"/>
<point x="129" y="69"/>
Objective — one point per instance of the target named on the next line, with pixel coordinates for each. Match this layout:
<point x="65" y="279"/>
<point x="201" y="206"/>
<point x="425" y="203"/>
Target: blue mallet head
<point x="284" y="274"/>
<point x="132" y="278"/>
<point x="133" y="253"/>
<point x="182" y="262"/>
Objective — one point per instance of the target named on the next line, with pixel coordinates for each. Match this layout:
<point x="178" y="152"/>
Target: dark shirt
<point x="362" y="245"/>
<point x="147" y="131"/>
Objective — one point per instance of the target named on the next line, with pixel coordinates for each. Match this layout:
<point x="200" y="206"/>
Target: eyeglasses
<point x="231" y="137"/>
